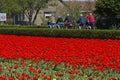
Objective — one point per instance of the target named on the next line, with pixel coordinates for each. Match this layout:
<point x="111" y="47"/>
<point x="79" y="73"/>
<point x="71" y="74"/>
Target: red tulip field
<point x="48" y="58"/>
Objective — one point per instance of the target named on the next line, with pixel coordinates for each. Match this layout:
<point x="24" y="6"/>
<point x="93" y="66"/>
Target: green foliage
<point x="10" y="7"/>
<point x="108" y="7"/>
<point x="40" y="69"/>
<point x="70" y="33"/>
<point x="109" y="10"/>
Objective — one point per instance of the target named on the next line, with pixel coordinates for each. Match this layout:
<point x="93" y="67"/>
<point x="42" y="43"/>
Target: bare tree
<point x="31" y="8"/>
<point x="60" y="8"/>
<point x="73" y="8"/>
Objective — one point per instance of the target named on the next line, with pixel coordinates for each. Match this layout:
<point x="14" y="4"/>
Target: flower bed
<point x="41" y="58"/>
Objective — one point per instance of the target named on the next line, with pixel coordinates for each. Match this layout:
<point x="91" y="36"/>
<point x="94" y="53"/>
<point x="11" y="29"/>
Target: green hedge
<point x="70" y="33"/>
<point x="21" y="26"/>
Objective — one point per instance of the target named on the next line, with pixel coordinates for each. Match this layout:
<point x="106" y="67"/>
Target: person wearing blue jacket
<point x="81" y="21"/>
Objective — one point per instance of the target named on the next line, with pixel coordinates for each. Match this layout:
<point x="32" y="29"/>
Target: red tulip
<point x="11" y="78"/>
<point x="16" y="66"/>
<point x="72" y="77"/>
<point x="90" y="78"/>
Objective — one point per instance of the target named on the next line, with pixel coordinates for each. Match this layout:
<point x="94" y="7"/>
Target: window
<point x="48" y="14"/>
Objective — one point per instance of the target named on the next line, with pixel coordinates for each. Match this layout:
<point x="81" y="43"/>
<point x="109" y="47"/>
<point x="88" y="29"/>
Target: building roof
<point x="85" y="4"/>
<point x="79" y="0"/>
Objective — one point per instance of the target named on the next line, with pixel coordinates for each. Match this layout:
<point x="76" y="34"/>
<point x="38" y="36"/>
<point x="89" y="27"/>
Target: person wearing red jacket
<point x="91" y="20"/>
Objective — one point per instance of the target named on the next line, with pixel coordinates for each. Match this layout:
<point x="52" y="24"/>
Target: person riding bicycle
<point x="52" y="22"/>
<point x="68" y="21"/>
<point x="60" y="22"/>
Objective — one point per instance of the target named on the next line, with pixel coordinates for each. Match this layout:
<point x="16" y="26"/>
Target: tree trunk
<point x="36" y="15"/>
<point x="30" y="20"/>
<point x="30" y="17"/>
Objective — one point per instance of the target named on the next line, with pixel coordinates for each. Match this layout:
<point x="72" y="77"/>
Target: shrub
<point x="70" y="33"/>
